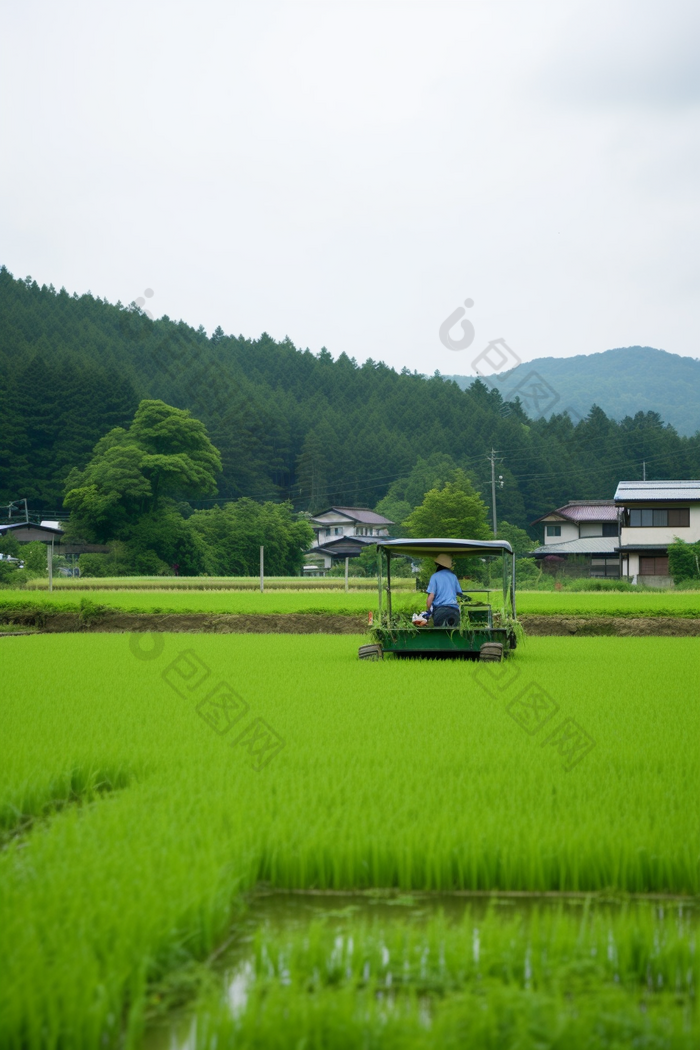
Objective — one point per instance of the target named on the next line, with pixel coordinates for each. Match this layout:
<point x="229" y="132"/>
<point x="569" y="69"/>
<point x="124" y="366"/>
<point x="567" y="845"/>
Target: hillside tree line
<point x="289" y="427"/>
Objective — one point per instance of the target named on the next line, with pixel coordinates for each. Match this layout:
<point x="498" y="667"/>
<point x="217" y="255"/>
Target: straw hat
<point x="445" y="560"/>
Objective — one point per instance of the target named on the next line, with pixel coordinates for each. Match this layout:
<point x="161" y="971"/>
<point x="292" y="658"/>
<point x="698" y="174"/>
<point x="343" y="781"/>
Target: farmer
<point x="443" y="589"/>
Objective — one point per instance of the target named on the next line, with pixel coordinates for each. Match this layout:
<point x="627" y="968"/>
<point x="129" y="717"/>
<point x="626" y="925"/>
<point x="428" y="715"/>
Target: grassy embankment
<point x="541" y="603"/>
<point x="138" y="826"/>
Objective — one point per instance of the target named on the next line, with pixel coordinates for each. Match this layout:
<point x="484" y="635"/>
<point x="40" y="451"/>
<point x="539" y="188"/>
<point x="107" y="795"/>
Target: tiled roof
<point x="361" y="514"/>
<point x="367" y="517"/>
<point x="657" y="490"/>
<point x="603" y="545"/>
<point x="590" y="511"/>
<point x="584" y="510"/>
<point x="30" y="526"/>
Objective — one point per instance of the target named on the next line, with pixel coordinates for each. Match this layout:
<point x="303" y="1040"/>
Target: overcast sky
<point x="348" y="173"/>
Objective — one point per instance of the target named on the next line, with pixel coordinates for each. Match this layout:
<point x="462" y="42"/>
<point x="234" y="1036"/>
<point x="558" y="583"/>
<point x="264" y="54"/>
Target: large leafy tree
<point x="519" y="539"/>
<point x="405" y="494"/>
<point x="164" y="454"/>
<point x="233" y="535"/>
<point x="455" y="511"/>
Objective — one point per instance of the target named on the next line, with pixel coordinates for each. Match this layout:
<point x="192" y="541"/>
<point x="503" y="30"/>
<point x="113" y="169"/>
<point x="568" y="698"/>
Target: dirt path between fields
<point x="315" y="623"/>
<point x="615" y="626"/>
<point x="207" y="623"/>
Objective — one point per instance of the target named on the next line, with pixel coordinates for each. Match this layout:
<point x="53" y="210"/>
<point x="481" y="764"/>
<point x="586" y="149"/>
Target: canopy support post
<point x="388" y="584"/>
<point x="512" y="589"/>
<point x="379" y="580"/>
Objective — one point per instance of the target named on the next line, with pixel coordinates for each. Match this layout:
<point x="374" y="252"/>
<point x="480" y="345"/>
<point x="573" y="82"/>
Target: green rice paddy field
<point x="559" y="603"/>
<point x="152" y="787"/>
<point x="209" y="583"/>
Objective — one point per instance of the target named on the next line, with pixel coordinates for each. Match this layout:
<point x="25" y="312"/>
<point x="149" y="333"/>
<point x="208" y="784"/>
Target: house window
<point x="338" y="531"/>
<point x="608" y="567"/>
<point x="649" y="566"/>
<point x="679" y="517"/>
<point x="554" y="530"/>
<point x="660" y="517"/>
<point x="609" y="528"/>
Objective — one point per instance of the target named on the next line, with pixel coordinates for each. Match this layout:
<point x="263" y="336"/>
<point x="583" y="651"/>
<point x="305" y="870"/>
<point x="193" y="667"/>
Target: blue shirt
<point x="445" y="586"/>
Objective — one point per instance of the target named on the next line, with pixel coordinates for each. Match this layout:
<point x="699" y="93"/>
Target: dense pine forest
<point x="289" y="424"/>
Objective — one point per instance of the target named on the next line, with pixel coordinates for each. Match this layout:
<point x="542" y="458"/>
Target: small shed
<point x="27" y="531"/>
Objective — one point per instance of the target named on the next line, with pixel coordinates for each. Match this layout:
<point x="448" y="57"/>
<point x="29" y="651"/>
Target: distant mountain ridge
<point x="622" y="382"/>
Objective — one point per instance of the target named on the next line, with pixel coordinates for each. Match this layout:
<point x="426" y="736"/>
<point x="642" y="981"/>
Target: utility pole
<point x="644" y="470"/>
<point x="491" y="457"/>
<point x="15" y="503"/>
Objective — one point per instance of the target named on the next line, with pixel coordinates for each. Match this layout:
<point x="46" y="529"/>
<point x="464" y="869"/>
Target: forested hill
<point x="622" y="382"/>
<point x="289" y="423"/>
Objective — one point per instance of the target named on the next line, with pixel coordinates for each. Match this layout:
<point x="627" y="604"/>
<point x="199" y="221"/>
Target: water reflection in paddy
<point x="292" y="914"/>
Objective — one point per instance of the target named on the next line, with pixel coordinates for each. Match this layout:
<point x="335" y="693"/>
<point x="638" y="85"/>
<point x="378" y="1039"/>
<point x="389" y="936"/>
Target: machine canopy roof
<point x="460" y="548"/>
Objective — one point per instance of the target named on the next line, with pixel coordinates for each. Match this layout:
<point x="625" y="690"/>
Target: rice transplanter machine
<point x="484" y="633"/>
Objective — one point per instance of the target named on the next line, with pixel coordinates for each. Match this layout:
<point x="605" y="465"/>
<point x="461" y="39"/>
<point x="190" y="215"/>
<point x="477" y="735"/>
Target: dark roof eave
<point x="544" y="552"/>
<point x="643" y="547"/>
<point x="343" y="545"/>
<point x="628" y="502"/>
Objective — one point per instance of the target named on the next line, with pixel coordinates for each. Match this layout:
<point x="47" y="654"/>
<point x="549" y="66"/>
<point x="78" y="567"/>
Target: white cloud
<point x="641" y="55"/>
<point x="347" y="173"/>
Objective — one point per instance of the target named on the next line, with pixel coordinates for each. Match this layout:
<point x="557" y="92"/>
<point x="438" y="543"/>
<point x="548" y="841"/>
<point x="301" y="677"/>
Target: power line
<point x="341" y="491"/>
<point x="580" y="468"/>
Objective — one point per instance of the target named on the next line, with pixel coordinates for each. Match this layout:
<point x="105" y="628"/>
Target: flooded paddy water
<point x="433" y="944"/>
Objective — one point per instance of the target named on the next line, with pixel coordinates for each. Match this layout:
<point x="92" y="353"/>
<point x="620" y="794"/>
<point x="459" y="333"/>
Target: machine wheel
<point x="491" y="652"/>
<point x="370" y="652"/>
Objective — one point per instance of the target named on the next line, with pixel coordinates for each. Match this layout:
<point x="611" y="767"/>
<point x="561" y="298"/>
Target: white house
<point x="583" y="527"/>
<point x="653" y="515"/>
<point x="342" y="532"/>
